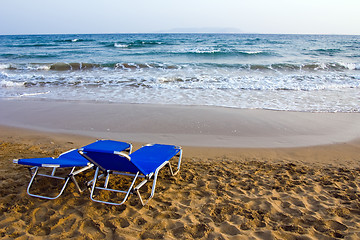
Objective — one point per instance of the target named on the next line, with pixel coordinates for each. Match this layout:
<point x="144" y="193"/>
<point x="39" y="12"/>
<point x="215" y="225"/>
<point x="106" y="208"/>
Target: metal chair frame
<point x="131" y="189"/>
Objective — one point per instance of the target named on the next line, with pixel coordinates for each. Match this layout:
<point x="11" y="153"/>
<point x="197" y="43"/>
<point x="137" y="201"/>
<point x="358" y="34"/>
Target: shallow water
<point x="282" y="72"/>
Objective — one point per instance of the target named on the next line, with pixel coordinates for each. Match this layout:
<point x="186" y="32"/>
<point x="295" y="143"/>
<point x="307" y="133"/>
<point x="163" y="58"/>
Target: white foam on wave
<point x="4" y="75"/>
<point x="253" y="52"/>
<point x="5" y="66"/>
<point x="33" y="94"/>
<point x="38" y="67"/>
<point x="119" y="45"/>
<point x="205" y="50"/>
<point x="240" y="88"/>
<point x="197" y="50"/>
<point x="351" y="66"/>
<point x="8" y="84"/>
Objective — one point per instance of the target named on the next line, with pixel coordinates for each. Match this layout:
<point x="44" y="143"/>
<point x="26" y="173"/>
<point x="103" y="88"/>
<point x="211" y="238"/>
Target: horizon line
<point x="165" y="32"/>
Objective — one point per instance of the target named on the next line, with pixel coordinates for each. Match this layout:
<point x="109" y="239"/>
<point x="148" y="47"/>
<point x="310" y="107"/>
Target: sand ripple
<point x="220" y="198"/>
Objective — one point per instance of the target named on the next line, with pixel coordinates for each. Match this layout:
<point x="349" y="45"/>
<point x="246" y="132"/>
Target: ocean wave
<point x="289" y="67"/>
<point x="7" y="84"/>
<point x="8" y="55"/>
<point x="311" y="67"/>
<point x="141" y="43"/>
<point x="73" y="40"/>
<point x="33" y="45"/>
<point x="35" y="66"/>
<point x="61" y="66"/>
<point x="188" y="79"/>
<point x="33" y="94"/>
<point x="258" y="40"/>
<point x="5" y="66"/>
<point x="326" y="51"/>
<point x="134" y="44"/>
<point x="115" y="66"/>
<point x="281" y="67"/>
<point x="131" y="66"/>
<point x="350" y="66"/>
<point x="29" y="56"/>
<point x="221" y="52"/>
<point x="180" y="84"/>
<point x="119" y="45"/>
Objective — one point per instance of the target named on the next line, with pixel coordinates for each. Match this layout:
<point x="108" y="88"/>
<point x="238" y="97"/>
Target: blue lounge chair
<point x="145" y="163"/>
<point x="70" y="159"/>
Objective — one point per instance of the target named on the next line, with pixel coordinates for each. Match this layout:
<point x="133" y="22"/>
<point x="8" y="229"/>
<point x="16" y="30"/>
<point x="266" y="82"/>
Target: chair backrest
<point x="106" y="154"/>
<point x="110" y="161"/>
<point x="74" y="156"/>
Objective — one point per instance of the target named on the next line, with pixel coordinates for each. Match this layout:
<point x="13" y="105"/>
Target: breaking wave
<point x="286" y="67"/>
<point x="283" y="72"/>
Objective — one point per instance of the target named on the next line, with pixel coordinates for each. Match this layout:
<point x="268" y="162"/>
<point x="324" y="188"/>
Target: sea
<point x="310" y="73"/>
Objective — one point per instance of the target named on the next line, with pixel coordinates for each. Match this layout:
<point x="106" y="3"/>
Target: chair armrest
<point x="123" y="155"/>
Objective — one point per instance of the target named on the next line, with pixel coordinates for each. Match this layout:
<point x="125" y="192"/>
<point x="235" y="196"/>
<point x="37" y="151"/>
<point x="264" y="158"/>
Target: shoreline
<point x="197" y="126"/>
<point x="336" y="155"/>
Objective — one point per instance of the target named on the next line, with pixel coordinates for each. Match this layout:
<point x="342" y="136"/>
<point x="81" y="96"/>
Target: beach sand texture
<point x="292" y="193"/>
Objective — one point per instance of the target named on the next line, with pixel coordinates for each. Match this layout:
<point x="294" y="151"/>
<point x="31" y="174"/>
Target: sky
<point x="148" y="16"/>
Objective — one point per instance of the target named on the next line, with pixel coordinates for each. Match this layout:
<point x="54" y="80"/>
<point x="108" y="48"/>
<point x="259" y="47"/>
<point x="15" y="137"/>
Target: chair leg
<point x="153" y="185"/>
<point x="43" y="196"/>
<point x="94" y="183"/>
<point x="31" y="171"/>
<point x="136" y="189"/>
<point x="179" y="155"/>
<point x="72" y="175"/>
<point x="76" y="184"/>
<point x="107" y="179"/>
<point x="127" y="193"/>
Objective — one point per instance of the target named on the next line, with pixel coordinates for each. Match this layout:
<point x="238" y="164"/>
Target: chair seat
<point x="150" y="157"/>
<point x="68" y="159"/>
<point x="106" y="146"/>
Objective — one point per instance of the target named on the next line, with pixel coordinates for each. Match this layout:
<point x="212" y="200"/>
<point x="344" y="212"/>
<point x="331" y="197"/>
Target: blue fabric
<point x="69" y="159"/>
<point x="106" y="146"/>
<point x="110" y="161"/>
<point x="102" y="153"/>
<point x="73" y="158"/>
<point x="149" y="158"/>
<point x="146" y="160"/>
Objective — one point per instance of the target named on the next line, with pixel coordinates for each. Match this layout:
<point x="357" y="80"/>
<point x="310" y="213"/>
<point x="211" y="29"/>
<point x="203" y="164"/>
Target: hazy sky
<point x="125" y="16"/>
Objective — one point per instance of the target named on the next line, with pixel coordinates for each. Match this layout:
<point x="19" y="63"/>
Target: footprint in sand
<point x="229" y="229"/>
<point x="41" y="215"/>
<point x="92" y="229"/>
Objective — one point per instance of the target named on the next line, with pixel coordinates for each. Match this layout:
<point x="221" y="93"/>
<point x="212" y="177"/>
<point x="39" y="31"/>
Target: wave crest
<point x="287" y="67"/>
<point x="72" y="66"/>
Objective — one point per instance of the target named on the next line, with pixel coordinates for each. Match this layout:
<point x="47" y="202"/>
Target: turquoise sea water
<point x="282" y="72"/>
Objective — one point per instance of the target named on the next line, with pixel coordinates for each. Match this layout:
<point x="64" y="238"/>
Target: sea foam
<point x="280" y="72"/>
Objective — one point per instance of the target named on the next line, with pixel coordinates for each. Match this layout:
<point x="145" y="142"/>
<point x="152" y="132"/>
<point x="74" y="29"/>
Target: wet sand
<point x="183" y="125"/>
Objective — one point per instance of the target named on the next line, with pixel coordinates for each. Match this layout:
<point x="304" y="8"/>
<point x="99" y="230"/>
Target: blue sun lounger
<point x="145" y="163"/>
<point x="70" y="159"/>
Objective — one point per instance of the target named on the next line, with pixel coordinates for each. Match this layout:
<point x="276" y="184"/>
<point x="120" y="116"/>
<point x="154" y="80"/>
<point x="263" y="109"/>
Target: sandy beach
<point x="246" y="174"/>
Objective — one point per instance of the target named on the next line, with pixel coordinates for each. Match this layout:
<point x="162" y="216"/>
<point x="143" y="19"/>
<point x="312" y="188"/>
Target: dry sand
<point x="289" y="193"/>
<point x="276" y="182"/>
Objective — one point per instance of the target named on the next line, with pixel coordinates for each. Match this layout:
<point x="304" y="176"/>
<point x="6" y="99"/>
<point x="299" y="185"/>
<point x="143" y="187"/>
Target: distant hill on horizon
<point x="202" y="30"/>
